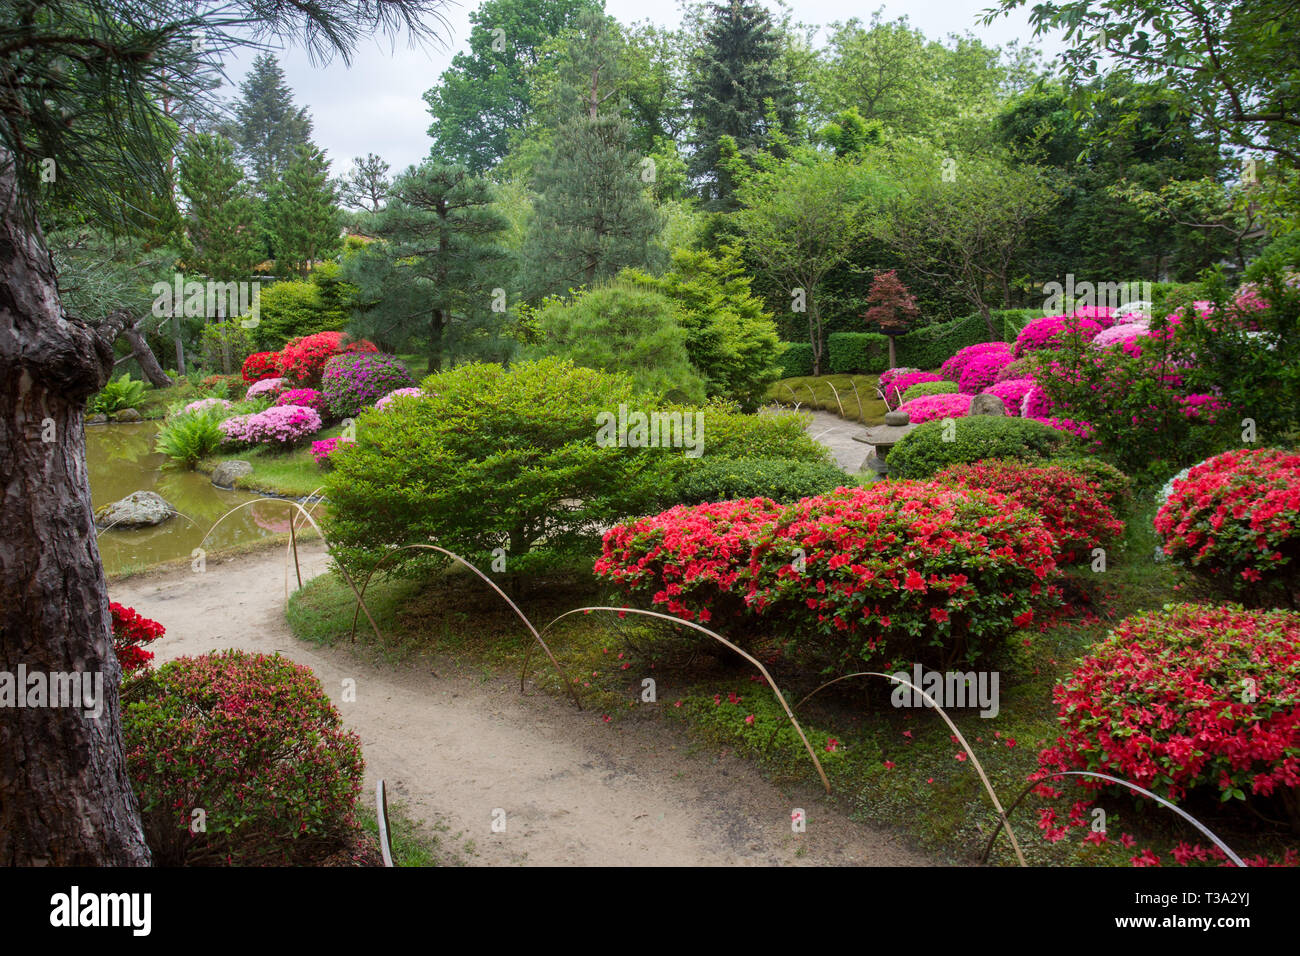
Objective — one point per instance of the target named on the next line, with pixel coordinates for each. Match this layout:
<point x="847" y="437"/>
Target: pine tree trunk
<point x="153" y="372"/>
<point x="64" y="794"/>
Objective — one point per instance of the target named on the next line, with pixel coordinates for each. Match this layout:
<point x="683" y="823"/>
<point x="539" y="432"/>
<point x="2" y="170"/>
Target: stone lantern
<point x="883" y="438"/>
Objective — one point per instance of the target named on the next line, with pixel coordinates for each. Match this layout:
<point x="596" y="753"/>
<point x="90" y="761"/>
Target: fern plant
<point x="117" y="394"/>
<point x="188" y="439"/>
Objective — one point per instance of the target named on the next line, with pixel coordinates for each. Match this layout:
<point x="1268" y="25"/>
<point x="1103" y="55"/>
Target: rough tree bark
<point x="140" y="351"/>
<point x="65" y="798"/>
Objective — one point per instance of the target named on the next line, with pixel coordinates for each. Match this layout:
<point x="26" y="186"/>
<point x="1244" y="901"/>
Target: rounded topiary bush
<point x="1073" y="512"/>
<point x="1053" y="331"/>
<point x="353" y="382"/>
<point x="250" y="740"/>
<point x="927" y="450"/>
<point x="725" y="479"/>
<point x="306" y="397"/>
<point x="1235" y="520"/>
<point x="1000" y="352"/>
<point x="1189" y="699"/>
<point x="923" y="389"/>
<point x="890" y="574"/>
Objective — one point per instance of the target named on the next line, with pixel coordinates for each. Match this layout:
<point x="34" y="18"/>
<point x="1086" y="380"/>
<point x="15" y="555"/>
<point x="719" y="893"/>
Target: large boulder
<point x="99" y="418"/>
<point x="224" y="475"/>
<point x="987" y="405"/>
<point x="128" y="415"/>
<point x="140" y="509"/>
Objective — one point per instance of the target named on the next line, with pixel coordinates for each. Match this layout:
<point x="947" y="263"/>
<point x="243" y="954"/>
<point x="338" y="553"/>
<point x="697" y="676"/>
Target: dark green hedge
<point x="857" y="353"/>
<point x="795" y="359"/>
<point x="923" y="452"/>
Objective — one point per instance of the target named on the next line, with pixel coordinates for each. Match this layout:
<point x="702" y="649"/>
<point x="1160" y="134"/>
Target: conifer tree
<point x="220" y="214"/>
<point x="303" y="220"/>
<point x="267" y="126"/>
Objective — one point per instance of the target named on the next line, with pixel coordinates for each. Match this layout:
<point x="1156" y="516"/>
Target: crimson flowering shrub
<point x="303" y="359"/>
<point x="930" y="407"/>
<point x="253" y="741"/>
<point x="131" y="632"/>
<point x="1051" y="332"/>
<point x="1235" y="519"/>
<point x="898" y="572"/>
<point x="306" y="397"/>
<point x="353" y="382"/>
<point x="281" y="425"/>
<point x="1191" y="698"/>
<point x="1075" y="513"/>
<point x="982" y="371"/>
<point x="261" y="365"/>
<point x="954" y="366"/>
<point x="1011" y="392"/>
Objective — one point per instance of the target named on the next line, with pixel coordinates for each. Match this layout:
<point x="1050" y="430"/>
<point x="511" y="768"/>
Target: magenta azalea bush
<point x="1036" y="404"/>
<point x="282" y="425"/>
<point x="889" y="374"/>
<point x="929" y="407"/>
<point x="982" y="370"/>
<point x="901" y="383"/>
<point x="383" y="402"/>
<point x="1051" y="331"/>
<point x="354" y="381"/>
<point x="266" y="388"/>
<point x="952" y="369"/>
<point x="1012" y="393"/>
<point x="321" y="450"/>
<point x="306" y="397"/>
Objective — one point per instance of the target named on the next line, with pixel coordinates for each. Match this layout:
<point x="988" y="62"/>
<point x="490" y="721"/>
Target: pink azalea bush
<point x="266" y="388"/>
<point x="952" y="369"/>
<point x="282" y="425"/>
<point x="1121" y="334"/>
<point x="205" y="405"/>
<point x="1050" y="332"/>
<point x="1103" y="315"/>
<point x="1012" y="393"/>
<point x="1036" y="404"/>
<point x="383" y="401"/>
<point x="901" y="383"/>
<point x="929" y="407"/>
<point x="889" y="374"/>
<point x="982" y="370"/>
<point x="306" y="397"/>
<point x="321" y="450"/>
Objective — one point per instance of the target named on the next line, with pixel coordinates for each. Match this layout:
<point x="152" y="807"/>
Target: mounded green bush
<point x="795" y="359"/>
<point x="857" y="353"/>
<point x="253" y="742"/>
<point x="729" y="433"/>
<point x="727" y="479"/>
<point x="290" y="309"/>
<point x="923" y="452"/>
<point x="929" y="388"/>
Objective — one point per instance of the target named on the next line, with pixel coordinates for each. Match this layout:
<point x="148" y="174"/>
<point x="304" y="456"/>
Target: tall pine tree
<point x="220" y="213"/>
<point x="267" y="126"/>
<point x="302" y="219"/>
<point x="739" y="88"/>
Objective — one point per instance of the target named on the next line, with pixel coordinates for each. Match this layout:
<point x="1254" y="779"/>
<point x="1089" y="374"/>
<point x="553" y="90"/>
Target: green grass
<point x="850" y="396"/>
<point x="292" y="473"/>
<point x="411" y="842"/>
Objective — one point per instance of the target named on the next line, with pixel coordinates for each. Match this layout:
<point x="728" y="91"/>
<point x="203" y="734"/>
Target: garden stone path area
<point x="837" y="435"/>
<point x="575" y="790"/>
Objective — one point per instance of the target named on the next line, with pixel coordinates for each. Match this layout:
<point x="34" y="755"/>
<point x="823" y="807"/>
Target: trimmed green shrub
<point x="730" y="337"/>
<point x="795" y="359"/>
<point x="929" y="388"/>
<point x="924" y="452"/>
<point x="865" y="353"/>
<point x="726" y="479"/>
<point x="618" y="327"/>
<point x="931" y="345"/>
<point x="493" y="458"/>
<point x="253" y="741"/>
<point x="729" y="433"/>
<point x="291" y="309"/>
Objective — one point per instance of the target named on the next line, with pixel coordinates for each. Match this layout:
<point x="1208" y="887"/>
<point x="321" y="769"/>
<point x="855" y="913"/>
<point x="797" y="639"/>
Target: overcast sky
<point x="376" y="104"/>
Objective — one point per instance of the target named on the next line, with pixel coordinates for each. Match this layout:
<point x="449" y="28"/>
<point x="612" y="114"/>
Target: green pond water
<point x="122" y="460"/>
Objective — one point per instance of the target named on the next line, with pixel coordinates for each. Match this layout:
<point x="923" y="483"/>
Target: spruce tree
<point x="220" y="214"/>
<point x="267" y="126"/>
<point x="302" y="218"/>
<point x="436" y="272"/>
<point x="740" y="89"/>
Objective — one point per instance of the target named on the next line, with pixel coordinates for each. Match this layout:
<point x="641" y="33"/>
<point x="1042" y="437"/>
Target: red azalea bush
<point x="261" y="365"/>
<point x="982" y="371"/>
<point x="899" y="572"/>
<point x="303" y="359"/>
<point x="1052" y="331"/>
<point x="954" y="366"/>
<point x="131" y="632"/>
<point x="1072" y="511"/>
<point x="1192" y="698"/>
<point x="252" y="741"/>
<point x="1235" y="519"/>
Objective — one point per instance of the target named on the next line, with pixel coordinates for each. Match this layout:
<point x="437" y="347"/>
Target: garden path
<point x="576" y="790"/>
<point x="837" y="435"/>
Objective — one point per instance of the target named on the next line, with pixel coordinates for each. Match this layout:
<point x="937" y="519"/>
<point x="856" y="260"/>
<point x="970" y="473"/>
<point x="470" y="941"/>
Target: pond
<point x="122" y="460"/>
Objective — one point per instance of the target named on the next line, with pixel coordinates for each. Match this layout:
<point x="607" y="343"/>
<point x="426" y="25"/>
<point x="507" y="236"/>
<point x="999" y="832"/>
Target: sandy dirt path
<point x="575" y="790"/>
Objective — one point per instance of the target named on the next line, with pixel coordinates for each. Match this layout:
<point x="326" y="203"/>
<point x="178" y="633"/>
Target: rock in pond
<point x="128" y="415"/>
<point x="224" y="475"/>
<point x="140" y="509"/>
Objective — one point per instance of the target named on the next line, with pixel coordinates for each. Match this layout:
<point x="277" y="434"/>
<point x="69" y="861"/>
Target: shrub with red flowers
<point x="261" y="365"/>
<point x="899" y="572"/>
<point x="303" y="359"/>
<point x="954" y="366"/>
<point x="1235" y="519"/>
<point x="1011" y="392"/>
<point x="253" y="741"/>
<point x="131" y="632"/>
<point x="1191" y="698"/>
<point x="982" y="371"/>
<point x="1073" y="512"/>
<point x="1052" y="331"/>
<point x="931" y="407"/>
